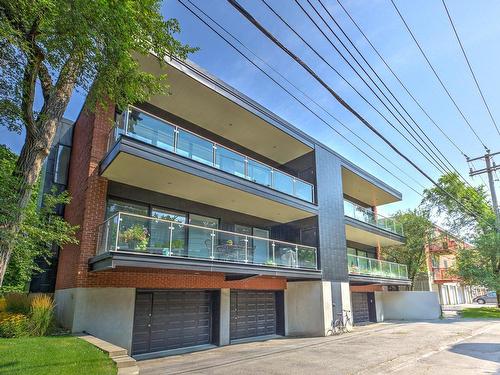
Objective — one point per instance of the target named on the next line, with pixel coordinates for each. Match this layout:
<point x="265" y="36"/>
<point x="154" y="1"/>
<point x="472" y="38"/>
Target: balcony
<point x="152" y="130"/>
<point x="363" y="266"/>
<point x="368" y="216"/>
<point x="174" y="244"/>
<point x="443" y="275"/>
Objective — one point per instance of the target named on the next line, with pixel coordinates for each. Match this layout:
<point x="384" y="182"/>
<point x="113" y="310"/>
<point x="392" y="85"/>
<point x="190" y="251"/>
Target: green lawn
<point x="59" y="355"/>
<point x="482" y="312"/>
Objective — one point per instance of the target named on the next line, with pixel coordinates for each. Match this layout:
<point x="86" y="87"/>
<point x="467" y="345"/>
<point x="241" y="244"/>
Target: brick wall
<point x="88" y="194"/>
<point x="176" y="279"/>
<point x="87" y="208"/>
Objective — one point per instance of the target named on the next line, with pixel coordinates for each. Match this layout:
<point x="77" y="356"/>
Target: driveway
<point x="450" y="346"/>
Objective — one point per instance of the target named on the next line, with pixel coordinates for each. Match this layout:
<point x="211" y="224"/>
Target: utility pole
<point x="490" y="168"/>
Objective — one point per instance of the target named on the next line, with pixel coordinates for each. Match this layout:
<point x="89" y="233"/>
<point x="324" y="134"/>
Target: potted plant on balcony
<point x="136" y="237"/>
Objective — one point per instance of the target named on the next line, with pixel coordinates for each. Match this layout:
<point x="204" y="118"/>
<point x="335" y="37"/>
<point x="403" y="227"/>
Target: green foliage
<point x="16" y="302"/>
<point x="13" y="325"/>
<point x="482" y="312"/>
<point x="41" y="315"/>
<point x="480" y="265"/>
<point x="40" y="229"/>
<point x="418" y="231"/>
<point x="94" y="43"/>
<point x="136" y="237"/>
<point x="473" y="216"/>
<point x="61" y="355"/>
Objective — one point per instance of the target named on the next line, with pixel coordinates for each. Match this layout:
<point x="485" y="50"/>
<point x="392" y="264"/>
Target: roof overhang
<point x="367" y="189"/>
<point x="198" y="97"/>
<point x="366" y="234"/>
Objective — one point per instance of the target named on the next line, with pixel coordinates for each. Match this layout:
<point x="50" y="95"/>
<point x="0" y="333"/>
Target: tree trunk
<point x="28" y="167"/>
<point x="39" y="137"/>
<point x="498" y="298"/>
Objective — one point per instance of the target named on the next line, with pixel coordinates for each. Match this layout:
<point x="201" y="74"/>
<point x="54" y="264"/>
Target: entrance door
<point x="171" y="320"/>
<point x="372" y="311"/>
<point x="253" y="313"/>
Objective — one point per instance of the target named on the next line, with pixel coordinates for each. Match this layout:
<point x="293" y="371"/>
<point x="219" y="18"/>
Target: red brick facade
<point x="87" y="209"/>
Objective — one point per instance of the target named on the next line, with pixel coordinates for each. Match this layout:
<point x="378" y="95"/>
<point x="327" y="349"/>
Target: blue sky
<point x="477" y="24"/>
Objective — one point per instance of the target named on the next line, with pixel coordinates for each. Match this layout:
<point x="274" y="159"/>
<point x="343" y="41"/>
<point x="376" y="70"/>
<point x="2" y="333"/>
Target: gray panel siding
<point x="332" y="241"/>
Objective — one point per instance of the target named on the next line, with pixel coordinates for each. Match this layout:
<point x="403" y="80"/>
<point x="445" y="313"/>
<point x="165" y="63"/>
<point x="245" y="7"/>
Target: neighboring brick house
<point x="441" y="256"/>
<point x="205" y="218"/>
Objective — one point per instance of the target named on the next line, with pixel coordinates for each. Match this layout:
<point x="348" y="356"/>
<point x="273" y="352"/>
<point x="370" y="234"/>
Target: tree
<point x="40" y="229"/>
<point x="465" y="208"/>
<point x="418" y="231"/>
<point x="475" y="219"/>
<point x="480" y="265"/>
<point x="59" y="46"/>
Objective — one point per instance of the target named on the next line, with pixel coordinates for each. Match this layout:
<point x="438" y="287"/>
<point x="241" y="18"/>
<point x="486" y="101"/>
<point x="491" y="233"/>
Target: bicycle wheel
<point x="338" y="327"/>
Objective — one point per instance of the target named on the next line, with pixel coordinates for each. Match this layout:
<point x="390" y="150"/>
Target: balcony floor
<point x="376" y="280"/>
<point x="115" y="259"/>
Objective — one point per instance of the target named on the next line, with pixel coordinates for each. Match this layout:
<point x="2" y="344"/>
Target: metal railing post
<point x="213" y="244"/>
<point x="118" y="230"/>
<point x="296" y="257"/>
<point x="273" y="245"/>
<point x="246" y="249"/>
<point x="171" y="228"/>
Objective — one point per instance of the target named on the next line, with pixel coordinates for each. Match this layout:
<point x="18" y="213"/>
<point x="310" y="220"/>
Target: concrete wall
<point x="407" y="305"/>
<point x="225" y="317"/>
<point x="107" y="313"/>
<point x="308" y="308"/>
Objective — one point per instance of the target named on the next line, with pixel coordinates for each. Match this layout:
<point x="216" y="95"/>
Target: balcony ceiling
<point x="368" y="238"/>
<point x="143" y="173"/>
<point x="365" y="191"/>
<point x="194" y="101"/>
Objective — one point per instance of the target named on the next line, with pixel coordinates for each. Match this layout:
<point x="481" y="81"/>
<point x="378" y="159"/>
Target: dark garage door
<point x="170" y="320"/>
<point x="253" y="313"/>
<point x="363" y="307"/>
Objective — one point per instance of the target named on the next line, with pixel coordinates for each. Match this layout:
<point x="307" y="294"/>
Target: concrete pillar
<point x="379" y="306"/>
<point x="341" y="298"/>
<point x="225" y="316"/>
<point x="308" y="308"/>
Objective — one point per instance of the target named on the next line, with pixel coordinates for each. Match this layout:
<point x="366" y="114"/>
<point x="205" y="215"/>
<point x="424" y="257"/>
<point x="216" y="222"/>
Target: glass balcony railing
<point x="155" y="131"/>
<point x="359" y="265"/>
<point x="368" y="216"/>
<point x="151" y="235"/>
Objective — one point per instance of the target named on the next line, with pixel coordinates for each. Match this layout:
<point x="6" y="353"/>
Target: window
<point x="116" y="205"/>
<point x="61" y="165"/>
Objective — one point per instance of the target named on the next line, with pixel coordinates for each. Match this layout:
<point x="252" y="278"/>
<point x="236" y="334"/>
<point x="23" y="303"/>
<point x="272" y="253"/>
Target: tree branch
<point x="45" y="80"/>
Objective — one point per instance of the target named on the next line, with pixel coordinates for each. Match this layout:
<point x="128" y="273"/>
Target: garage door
<point x="171" y="320"/>
<point x="253" y="313"/>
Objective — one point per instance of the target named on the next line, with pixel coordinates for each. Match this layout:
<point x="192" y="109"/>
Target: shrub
<point x="41" y="315"/>
<point x="13" y="324"/>
<point x="17" y="303"/>
<point x="3" y="304"/>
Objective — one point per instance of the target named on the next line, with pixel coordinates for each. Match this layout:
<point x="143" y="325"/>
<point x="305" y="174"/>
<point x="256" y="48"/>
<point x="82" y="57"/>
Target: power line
<point x="470" y="67"/>
<point x="299" y="101"/>
<point x="434" y="146"/>
<point x="436" y="74"/>
<point x="357" y="91"/>
<point x="273" y="39"/>
<point x="398" y="79"/>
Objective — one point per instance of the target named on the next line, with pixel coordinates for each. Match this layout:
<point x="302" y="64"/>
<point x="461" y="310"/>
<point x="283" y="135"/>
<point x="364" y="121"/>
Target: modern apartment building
<point x="441" y="256"/>
<point x="206" y="219"/>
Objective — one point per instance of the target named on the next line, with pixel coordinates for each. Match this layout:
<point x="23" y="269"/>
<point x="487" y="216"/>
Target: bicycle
<point x="343" y="324"/>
